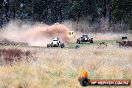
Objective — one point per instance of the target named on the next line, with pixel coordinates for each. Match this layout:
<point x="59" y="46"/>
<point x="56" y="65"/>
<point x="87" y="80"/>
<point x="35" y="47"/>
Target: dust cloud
<point x="38" y="34"/>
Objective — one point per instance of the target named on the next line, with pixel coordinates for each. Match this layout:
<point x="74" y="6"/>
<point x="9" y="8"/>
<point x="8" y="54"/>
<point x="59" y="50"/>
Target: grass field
<point x="60" y="68"/>
<point x="96" y="42"/>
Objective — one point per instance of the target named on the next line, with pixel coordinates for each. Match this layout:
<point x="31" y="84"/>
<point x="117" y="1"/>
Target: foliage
<point x="122" y="10"/>
<point x="52" y="11"/>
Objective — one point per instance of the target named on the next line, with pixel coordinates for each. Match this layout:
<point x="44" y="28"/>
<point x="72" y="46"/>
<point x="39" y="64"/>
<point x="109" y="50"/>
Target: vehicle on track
<point x="56" y="43"/>
<point x="71" y="34"/>
<point x="125" y="42"/>
<point x="84" y="38"/>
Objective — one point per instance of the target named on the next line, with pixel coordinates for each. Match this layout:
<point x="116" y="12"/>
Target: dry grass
<point x="10" y="56"/>
<point x="60" y="68"/>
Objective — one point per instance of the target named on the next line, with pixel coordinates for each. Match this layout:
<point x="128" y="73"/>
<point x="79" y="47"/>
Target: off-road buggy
<point x="124" y="42"/>
<point x="84" y="38"/>
<point x="56" y="43"/>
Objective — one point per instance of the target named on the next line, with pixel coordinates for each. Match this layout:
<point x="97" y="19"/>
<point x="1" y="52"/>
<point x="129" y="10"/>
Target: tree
<point x="122" y="11"/>
<point x="84" y="8"/>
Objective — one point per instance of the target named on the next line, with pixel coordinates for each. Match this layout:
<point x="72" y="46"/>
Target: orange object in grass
<point x="84" y="73"/>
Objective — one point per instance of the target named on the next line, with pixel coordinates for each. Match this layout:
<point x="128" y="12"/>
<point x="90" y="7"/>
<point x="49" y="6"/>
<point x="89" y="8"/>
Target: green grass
<point x="72" y="45"/>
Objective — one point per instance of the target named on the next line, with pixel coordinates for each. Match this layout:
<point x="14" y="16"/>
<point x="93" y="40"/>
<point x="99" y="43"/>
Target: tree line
<point x="52" y="11"/>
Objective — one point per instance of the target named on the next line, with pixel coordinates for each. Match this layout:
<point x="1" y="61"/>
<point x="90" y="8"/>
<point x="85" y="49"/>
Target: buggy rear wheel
<point x="62" y="45"/>
<point x="91" y="40"/>
<point x="48" y="45"/>
<point x="78" y="41"/>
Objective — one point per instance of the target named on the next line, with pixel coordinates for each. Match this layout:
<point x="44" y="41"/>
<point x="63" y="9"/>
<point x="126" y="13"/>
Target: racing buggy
<point x="56" y="43"/>
<point x="84" y="38"/>
<point x="125" y="42"/>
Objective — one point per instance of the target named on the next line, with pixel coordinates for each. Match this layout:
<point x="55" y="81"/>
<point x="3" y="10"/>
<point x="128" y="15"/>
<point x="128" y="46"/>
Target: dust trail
<point x="37" y="35"/>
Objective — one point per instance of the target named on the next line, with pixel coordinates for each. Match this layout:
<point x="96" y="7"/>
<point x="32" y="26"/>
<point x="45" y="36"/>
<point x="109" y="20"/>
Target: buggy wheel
<point x="48" y="45"/>
<point x="78" y="41"/>
<point x="91" y="41"/>
<point x="62" y="45"/>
